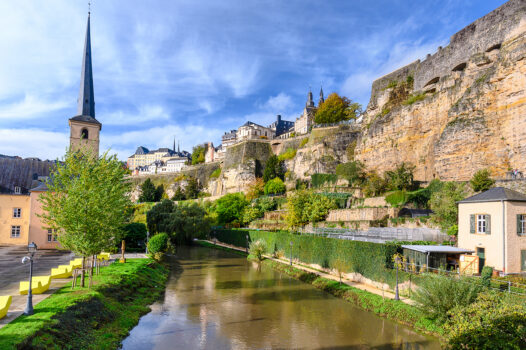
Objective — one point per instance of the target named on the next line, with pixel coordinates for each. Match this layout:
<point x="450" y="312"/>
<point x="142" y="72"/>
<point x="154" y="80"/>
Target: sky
<point x="191" y="70"/>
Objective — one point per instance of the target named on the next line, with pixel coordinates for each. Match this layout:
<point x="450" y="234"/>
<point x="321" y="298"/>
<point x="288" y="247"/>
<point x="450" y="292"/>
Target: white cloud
<point x="33" y="143"/>
<point x="278" y="103"/>
<point x="145" y="113"/>
<point x="29" y="108"/>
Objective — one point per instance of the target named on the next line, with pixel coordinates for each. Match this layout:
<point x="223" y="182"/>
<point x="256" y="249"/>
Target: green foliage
<point x="135" y="235"/>
<point x="179" y="194"/>
<point x="140" y="210"/>
<point x="215" y="174"/>
<point x="257" y="249"/>
<point x="157" y="214"/>
<point x="443" y="203"/>
<point x="485" y="276"/>
<point x="255" y="189"/>
<point x="337" y="108"/>
<point x="437" y="295"/>
<point x="273" y="169"/>
<point x="266" y="204"/>
<point x="305" y="206"/>
<point x="87" y="201"/>
<point x="491" y="322"/>
<point x="304" y="142"/>
<point x="452" y="230"/>
<point x="414" y="98"/>
<point x="157" y="245"/>
<point x="275" y="186"/>
<point x="288" y="154"/>
<point x="367" y="258"/>
<point x="320" y="179"/>
<point x="191" y="191"/>
<point x="375" y="185"/>
<point x="402" y="177"/>
<point x="198" y="154"/>
<point x="397" y="198"/>
<point x="353" y="172"/>
<point x="391" y="84"/>
<point x="340" y="199"/>
<point x="482" y="181"/>
<point x="252" y="213"/>
<point x="230" y="207"/>
<point x="149" y="193"/>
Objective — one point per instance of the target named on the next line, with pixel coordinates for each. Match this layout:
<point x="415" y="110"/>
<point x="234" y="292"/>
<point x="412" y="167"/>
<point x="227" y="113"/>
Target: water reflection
<point x="217" y="300"/>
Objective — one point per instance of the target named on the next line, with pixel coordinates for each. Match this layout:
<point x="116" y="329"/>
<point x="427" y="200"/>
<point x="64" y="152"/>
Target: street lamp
<point x="147" y="239"/>
<point x="290" y="253"/>
<point x="31" y="248"/>
<point x="246" y="248"/>
<point x="397" y="261"/>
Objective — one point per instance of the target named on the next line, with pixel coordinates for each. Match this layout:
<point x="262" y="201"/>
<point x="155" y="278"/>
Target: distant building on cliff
<point x="305" y="122"/>
<point x="162" y="160"/>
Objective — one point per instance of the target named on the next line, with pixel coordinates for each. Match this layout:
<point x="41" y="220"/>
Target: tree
<point x="86" y="202"/>
<point x="156" y="216"/>
<point x="375" y="185"/>
<point x="148" y="192"/>
<point x="134" y="234"/>
<point x="275" y="186"/>
<point x="352" y="171"/>
<point x="273" y="169"/>
<point x="481" y="181"/>
<point x="337" y="108"/>
<point x="178" y="195"/>
<point x="198" y="154"/>
<point x="192" y="188"/>
<point x="229" y="208"/>
<point x="305" y="206"/>
<point x="444" y="204"/>
<point x="402" y="177"/>
<point x="255" y="189"/>
<point x="159" y="192"/>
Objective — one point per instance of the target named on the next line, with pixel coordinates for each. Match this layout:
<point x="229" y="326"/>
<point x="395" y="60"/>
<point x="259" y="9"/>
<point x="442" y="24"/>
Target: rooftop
<point x="437" y="249"/>
<point x="496" y="194"/>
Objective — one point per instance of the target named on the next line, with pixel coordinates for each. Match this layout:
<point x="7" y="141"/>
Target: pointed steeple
<point x="178" y="149"/>
<point x="174" y="144"/>
<point x="322" y="99"/>
<point x="310" y="100"/>
<point x="86" y="100"/>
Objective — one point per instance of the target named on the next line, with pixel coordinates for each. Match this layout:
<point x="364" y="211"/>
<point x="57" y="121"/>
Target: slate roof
<point x="85" y="119"/>
<point x="41" y="187"/>
<point x="496" y="194"/>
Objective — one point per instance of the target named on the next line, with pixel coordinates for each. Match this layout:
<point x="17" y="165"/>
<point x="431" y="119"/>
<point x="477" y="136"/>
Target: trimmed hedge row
<point x="372" y="260"/>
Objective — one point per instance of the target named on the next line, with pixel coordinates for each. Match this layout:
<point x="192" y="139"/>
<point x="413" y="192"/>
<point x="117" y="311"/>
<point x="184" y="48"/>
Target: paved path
<point x="362" y="286"/>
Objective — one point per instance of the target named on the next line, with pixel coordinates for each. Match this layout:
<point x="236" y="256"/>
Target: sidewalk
<point x="362" y="286"/>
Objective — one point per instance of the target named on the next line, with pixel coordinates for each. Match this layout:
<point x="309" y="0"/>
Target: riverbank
<point x="96" y="318"/>
<point x="400" y="312"/>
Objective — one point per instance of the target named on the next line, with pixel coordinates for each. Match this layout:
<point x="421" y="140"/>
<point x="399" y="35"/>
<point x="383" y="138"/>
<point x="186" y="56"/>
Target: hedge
<point x="372" y="260"/>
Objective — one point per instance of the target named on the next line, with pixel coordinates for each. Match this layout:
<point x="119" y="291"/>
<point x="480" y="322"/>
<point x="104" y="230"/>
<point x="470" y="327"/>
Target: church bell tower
<point x="84" y="128"/>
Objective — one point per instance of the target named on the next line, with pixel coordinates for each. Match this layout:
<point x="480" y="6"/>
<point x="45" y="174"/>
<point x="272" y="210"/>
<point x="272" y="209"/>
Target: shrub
<point x="250" y="214"/>
<point x="304" y="207"/>
<point x="402" y="177"/>
<point x="192" y="189"/>
<point x="352" y="171"/>
<point x="229" y="208"/>
<point x="481" y="181"/>
<point x="319" y="179"/>
<point x="414" y="98"/>
<point x="437" y="295"/>
<point x="304" y="142"/>
<point x="275" y="186"/>
<point x="257" y="249"/>
<point x="179" y="195"/>
<point x="375" y="185"/>
<point x="340" y="199"/>
<point x="452" y="230"/>
<point x="273" y="168"/>
<point x="443" y="203"/>
<point x="215" y="174"/>
<point x="134" y="234"/>
<point x="150" y="193"/>
<point x="198" y="154"/>
<point x="485" y="276"/>
<point x="266" y="204"/>
<point x="397" y="198"/>
<point x="255" y="189"/>
<point x="288" y="154"/>
<point x="157" y="245"/>
<point x="493" y="321"/>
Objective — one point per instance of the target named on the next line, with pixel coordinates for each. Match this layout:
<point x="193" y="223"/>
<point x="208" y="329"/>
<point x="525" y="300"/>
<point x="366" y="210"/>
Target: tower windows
<point x="84" y="134"/>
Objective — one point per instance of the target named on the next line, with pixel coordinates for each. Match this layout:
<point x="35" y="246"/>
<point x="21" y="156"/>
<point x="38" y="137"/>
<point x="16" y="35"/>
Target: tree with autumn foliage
<point x="337" y="108"/>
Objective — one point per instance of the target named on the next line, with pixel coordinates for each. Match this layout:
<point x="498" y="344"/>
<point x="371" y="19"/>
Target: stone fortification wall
<point x="398" y="75"/>
<point x="242" y="152"/>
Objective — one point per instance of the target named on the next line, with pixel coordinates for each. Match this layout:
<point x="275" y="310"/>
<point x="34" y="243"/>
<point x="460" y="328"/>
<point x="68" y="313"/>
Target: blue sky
<point x="195" y="69"/>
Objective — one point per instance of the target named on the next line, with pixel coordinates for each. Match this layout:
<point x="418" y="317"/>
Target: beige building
<point x="14" y="218"/>
<point x="305" y="122"/>
<point x="250" y="131"/>
<point x="493" y="224"/>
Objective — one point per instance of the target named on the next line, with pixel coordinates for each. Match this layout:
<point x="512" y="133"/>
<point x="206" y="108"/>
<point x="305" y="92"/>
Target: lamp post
<point x="397" y="261"/>
<point x="147" y="239"/>
<point x="290" y="253"/>
<point x="31" y="248"/>
<point x="246" y="248"/>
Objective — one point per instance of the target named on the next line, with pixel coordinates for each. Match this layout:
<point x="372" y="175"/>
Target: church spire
<point x="174" y="144"/>
<point x="310" y="100"/>
<point x="322" y="99"/>
<point x="86" y="100"/>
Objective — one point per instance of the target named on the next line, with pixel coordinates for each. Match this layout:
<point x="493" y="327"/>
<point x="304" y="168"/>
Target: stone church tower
<point x="84" y="128"/>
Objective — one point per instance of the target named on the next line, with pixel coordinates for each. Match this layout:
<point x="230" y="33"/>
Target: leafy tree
<point x="179" y="195"/>
<point x="481" y="181"/>
<point x="266" y="204"/>
<point x="148" y="192"/>
<point x="352" y="171"/>
<point x="87" y="202"/>
<point x="402" y="177"/>
<point x="251" y="213"/>
<point x="192" y="188"/>
<point x="305" y="206"/>
<point x="229" y="208"/>
<point x="275" y="186"/>
<point x="375" y="185"/>
<point x="186" y="222"/>
<point x="273" y="169"/>
<point x="255" y="189"/>
<point x="337" y="108"/>
<point x="198" y="154"/>
<point x="444" y="204"/>
<point x="134" y="235"/>
<point x="159" y="192"/>
<point x="156" y="216"/>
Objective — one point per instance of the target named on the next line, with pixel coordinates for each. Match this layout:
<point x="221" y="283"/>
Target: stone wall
<point x="253" y="149"/>
<point x="361" y="214"/>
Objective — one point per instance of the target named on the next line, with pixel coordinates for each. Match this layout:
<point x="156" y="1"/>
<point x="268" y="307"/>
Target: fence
<point x="381" y="234"/>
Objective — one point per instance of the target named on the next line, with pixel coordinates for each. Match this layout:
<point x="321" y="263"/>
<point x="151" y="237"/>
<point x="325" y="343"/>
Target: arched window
<point x="84" y="134"/>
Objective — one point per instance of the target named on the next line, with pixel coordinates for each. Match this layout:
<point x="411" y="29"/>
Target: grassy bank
<point x="96" y="318"/>
<point x="394" y="310"/>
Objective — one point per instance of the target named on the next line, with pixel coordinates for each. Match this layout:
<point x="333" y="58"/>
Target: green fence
<point x="372" y="260"/>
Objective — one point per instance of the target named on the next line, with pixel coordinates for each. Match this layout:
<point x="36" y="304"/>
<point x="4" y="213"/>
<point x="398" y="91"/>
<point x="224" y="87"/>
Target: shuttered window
<point x="480" y="223"/>
<point x="523" y="260"/>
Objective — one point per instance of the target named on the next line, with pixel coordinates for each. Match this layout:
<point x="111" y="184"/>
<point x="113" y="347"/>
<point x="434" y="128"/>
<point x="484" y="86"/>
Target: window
<point x="51" y="235"/>
<point x="18" y="190"/>
<point x="84" y="134"/>
<point x="15" y="231"/>
<point x="521" y="224"/>
<point x="480" y="223"/>
<point x="17" y="212"/>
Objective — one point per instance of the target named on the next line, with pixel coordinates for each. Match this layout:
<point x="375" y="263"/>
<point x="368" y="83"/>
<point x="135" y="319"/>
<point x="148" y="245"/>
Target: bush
<point x="340" y="199"/>
<point x="273" y="169"/>
<point x="266" y="204"/>
<point x="402" y="177"/>
<point x="397" y="198"/>
<point x="157" y="245"/>
<point x="288" y="154"/>
<point x="215" y="174"/>
<point x="257" y="249"/>
<point x="255" y="189"/>
<point x="375" y="185"/>
<point x="437" y="295"/>
<point x="444" y="204"/>
<point x="250" y="214"/>
<point x="353" y="172"/>
<point x="493" y="321"/>
<point x="179" y="195"/>
<point x="305" y="207"/>
<point x="134" y="234"/>
<point x="481" y="181"/>
<point x="275" y="186"/>
<point x="485" y="276"/>
<point x="319" y="179"/>
<point x="229" y="208"/>
<point x="150" y="193"/>
<point x="304" y="142"/>
<point x="198" y="154"/>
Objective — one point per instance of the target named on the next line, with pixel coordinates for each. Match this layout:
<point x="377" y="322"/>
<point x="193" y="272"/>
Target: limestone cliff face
<point x="471" y="118"/>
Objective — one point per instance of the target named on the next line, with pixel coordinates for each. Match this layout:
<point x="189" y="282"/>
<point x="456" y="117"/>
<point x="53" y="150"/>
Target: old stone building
<point x="251" y="131"/>
<point x="281" y="126"/>
<point x="305" y="122"/>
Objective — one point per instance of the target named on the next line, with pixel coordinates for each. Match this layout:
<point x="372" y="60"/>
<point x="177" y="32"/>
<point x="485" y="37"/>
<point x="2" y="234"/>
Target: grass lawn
<point x="96" y="318"/>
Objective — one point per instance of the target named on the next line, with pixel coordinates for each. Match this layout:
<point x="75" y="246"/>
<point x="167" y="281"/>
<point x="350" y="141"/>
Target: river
<point x="219" y="300"/>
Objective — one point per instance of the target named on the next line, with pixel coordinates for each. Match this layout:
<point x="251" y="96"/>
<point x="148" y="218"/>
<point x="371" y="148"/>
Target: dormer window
<point x="18" y="190"/>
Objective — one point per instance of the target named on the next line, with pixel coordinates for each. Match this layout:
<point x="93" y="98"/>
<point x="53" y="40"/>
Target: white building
<point x="250" y="131"/>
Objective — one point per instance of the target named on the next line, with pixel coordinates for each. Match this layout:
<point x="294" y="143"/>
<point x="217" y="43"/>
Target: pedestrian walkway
<point x="358" y="285"/>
